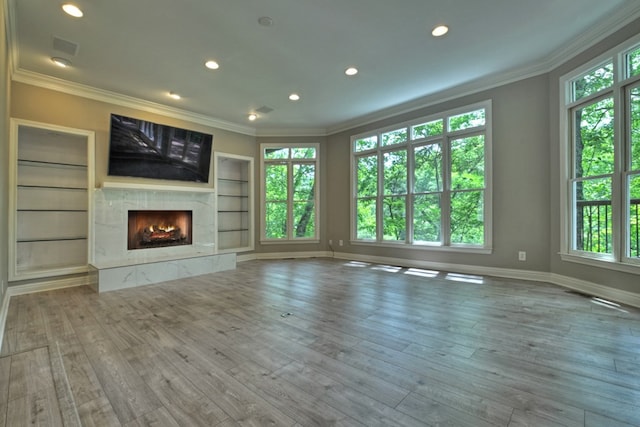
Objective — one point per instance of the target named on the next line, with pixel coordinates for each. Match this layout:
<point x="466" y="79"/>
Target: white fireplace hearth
<point x="114" y="266"/>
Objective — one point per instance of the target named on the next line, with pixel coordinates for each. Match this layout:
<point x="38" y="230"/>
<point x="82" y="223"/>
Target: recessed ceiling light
<point x="440" y="31"/>
<point x="252" y="117"/>
<point x="61" y="62"/>
<point x="174" y="95"/>
<point x="212" y="65"/>
<point x="73" y="10"/>
<point x="351" y="71"/>
<point x="294" y="97"/>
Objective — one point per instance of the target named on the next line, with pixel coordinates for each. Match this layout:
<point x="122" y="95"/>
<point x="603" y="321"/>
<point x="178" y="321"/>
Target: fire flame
<point x="162" y="228"/>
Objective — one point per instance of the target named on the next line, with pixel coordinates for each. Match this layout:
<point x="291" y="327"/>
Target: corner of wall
<point x="4" y="156"/>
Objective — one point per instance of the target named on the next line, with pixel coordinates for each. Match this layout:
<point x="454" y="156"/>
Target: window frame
<point x="444" y="140"/>
<point x="290" y="161"/>
<point x="619" y="91"/>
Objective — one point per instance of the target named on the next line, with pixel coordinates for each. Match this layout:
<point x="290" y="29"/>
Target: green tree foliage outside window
<point x="596" y="148"/>
<point x="290" y="192"/>
<point x="410" y="203"/>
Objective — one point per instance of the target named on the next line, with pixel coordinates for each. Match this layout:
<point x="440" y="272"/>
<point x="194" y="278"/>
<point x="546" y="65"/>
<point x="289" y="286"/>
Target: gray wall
<point x="607" y="277"/>
<point x="520" y="179"/>
<point x="4" y="149"/>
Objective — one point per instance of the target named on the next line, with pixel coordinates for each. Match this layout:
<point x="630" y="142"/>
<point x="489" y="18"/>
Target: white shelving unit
<point x="234" y="189"/>
<point x="51" y="178"/>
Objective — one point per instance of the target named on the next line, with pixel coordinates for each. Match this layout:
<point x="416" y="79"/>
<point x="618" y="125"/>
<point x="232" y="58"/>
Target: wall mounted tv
<point x="138" y="148"/>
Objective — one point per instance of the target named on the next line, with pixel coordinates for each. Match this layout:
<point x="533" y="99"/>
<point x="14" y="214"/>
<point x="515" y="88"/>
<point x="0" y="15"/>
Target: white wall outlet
<point x="330" y="242"/>
<point x="340" y="242"/>
<point x="522" y="256"/>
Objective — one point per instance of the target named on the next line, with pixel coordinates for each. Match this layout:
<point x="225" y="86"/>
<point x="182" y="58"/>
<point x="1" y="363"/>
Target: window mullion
<point x="446" y="190"/>
<point x="619" y="215"/>
<point x="290" y="193"/>
<point x="409" y="199"/>
<point x="379" y="202"/>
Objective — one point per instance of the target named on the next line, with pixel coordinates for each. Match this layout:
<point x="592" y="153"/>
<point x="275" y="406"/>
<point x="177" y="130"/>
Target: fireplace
<point x="158" y="229"/>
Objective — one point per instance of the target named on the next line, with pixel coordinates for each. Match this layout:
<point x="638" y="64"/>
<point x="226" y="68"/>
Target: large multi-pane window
<point x="601" y="134"/>
<point x="425" y="182"/>
<point x="289" y="192"/>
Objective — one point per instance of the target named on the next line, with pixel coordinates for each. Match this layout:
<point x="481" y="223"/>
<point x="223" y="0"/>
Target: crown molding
<point x="284" y="132"/>
<point x="60" y="85"/>
<point x="624" y="15"/>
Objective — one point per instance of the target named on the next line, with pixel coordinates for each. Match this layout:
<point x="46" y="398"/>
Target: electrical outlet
<point x="522" y="256"/>
<point x="330" y="242"/>
<point x="340" y="242"/>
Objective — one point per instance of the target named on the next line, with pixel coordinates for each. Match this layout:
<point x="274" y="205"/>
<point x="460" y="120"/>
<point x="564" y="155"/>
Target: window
<point x="289" y="192"/>
<point x="600" y="127"/>
<point x="425" y="183"/>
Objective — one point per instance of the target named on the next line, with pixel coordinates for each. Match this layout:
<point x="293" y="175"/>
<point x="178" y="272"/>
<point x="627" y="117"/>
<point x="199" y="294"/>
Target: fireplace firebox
<point x="157" y="229"/>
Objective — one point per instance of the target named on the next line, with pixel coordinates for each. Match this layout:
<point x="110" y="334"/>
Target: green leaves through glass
<point x="393" y="222"/>
<point x="304" y="200"/>
<point x="394" y="137"/>
<point x="425" y="130"/>
<point x="367" y="143"/>
<point x="427" y="168"/>
<point x="427" y="214"/>
<point x="468" y="120"/>
<point x="467" y="217"/>
<point x="634" y="216"/>
<point x="395" y="172"/>
<point x="593" y="223"/>
<point x="467" y="163"/>
<point x="592" y="82"/>
<point x="594" y="144"/>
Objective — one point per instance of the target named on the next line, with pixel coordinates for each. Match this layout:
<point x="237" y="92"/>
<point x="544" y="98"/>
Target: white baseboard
<point x="595" y="289"/>
<point x="4" y="310"/>
<point x="48" y="285"/>
<point x="286" y="255"/>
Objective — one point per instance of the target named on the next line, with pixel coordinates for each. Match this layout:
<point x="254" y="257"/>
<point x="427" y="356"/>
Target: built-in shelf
<point x="234" y="185"/>
<point x="51" y="172"/>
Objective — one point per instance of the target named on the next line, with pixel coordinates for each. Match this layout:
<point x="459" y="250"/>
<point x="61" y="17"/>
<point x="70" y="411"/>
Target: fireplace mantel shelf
<point x="154" y="187"/>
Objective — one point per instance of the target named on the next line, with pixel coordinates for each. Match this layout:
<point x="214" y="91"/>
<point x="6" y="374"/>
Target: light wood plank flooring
<point x="321" y="342"/>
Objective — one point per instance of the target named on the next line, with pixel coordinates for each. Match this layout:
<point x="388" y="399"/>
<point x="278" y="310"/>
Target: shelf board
<point x="50" y="239"/>
<point x="52" y="186"/>
<point x="241" y="181"/>
<point x="45" y="163"/>
<point x="52" y="210"/>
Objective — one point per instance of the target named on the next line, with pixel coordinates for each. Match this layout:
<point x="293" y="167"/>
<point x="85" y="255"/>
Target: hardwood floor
<point x="321" y="342"/>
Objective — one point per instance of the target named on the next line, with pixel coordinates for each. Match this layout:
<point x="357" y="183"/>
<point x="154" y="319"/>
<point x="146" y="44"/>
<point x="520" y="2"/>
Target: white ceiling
<point x="146" y="48"/>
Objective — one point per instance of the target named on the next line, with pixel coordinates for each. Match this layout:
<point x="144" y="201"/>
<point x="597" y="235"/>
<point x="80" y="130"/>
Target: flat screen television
<point x="139" y="148"/>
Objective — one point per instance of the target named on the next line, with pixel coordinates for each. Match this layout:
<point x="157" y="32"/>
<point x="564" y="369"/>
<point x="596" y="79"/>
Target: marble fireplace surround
<point x="113" y="266"/>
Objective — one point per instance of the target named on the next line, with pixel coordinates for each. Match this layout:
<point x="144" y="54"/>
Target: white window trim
<point x="290" y="239"/>
<point x="618" y="261"/>
<point x="487" y="248"/>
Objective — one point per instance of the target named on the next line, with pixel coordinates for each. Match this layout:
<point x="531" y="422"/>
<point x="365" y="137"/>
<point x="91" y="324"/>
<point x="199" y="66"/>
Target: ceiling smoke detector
<point x="265" y="21"/>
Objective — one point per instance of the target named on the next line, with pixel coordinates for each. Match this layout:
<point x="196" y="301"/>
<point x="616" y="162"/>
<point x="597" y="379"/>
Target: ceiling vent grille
<point x="264" y="109"/>
<point x="65" y="46"/>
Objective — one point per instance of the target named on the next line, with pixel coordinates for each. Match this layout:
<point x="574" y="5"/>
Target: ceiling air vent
<point x="264" y="109"/>
<point x="65" y="46"/>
